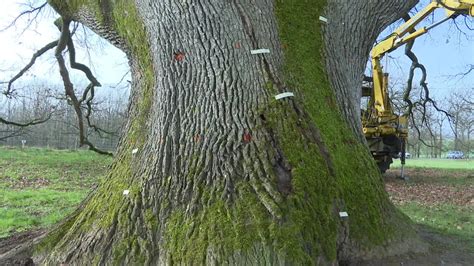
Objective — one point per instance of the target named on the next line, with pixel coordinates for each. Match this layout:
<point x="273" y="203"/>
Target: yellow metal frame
<point x="383" y="121"/>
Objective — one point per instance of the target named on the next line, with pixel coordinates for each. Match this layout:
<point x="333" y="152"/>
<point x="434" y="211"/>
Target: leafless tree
<point x="82" y="100"/>
<point x="462" y="125"/>
<point x="60" y="131"/>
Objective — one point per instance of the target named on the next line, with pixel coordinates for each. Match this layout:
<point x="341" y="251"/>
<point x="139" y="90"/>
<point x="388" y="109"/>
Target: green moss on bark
<point x="356" y="181"/>
<point x="130" y="27"/>
<point x="222" y="229"/>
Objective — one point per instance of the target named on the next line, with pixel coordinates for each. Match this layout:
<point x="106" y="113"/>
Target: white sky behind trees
<point x="20" y="41"/>
<point x="445" y="52"/>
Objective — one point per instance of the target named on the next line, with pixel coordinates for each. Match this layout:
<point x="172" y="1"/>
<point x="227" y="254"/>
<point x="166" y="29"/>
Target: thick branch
<point x="65" y="41"/>
<point x="27" y="124"/>
<point x="79" y="66"/>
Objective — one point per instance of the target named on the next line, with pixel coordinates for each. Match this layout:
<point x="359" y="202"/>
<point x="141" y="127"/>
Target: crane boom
<point x="386" y="132"/>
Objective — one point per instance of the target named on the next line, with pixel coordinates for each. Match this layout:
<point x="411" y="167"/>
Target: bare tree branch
<point x="66" y="41"/>
<point x="30" y="123"/>
<point x="33" y="10"/>
<point x="470" y="68"/>
<point x="122" y="78"/>
<point x="9" y="91"/>
<point x="466" y="24"/>
<point x="79" y="66"/>
<point x="83" y="106"/>
<point x="460" y="30"/>
<point x="90" y="89"/>
<point x="424" y="97"/>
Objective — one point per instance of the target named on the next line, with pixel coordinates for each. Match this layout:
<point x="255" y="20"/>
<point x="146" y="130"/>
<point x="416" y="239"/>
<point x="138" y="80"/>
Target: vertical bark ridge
<point x="220" y="144"/>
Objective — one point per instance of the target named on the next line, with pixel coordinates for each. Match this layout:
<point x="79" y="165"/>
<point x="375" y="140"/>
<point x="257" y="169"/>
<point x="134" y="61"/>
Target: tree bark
<point x="212" y="169"/>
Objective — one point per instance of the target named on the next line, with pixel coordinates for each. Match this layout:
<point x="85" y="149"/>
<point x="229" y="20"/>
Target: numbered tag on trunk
<point x="260" y="51"/>
<point x="343" y="214"/>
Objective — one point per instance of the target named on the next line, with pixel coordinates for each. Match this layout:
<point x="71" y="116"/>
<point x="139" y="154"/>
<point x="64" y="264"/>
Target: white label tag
<point x="323" y="19"/>
<point x="126" y="192"/>
<point x="284" y="95"/>
<point x="343" y="214"/>
<point x="134" y="151"/>
<point x="260" y="51"/>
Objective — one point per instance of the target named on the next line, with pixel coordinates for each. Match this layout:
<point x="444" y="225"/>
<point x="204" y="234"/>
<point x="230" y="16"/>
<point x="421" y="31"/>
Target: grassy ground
<point x="467" y="164"/>
<point x="38" y="187"/>
<point x="440" y="199"/>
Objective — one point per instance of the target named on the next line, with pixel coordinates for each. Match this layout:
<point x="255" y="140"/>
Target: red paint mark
<point x="179" y="56"/>
<point x="237" y="45"/>
<point x="247" y="137"/>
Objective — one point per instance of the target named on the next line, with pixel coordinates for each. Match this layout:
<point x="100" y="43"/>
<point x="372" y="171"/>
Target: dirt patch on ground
<point x="25" y="182"/>
<point x="430" y="187"/>
<point x="430" y="194"/>
<point x="427" y="175"/>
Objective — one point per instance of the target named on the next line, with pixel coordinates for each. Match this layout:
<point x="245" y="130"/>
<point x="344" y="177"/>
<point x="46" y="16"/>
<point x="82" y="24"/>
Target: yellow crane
<point x="386" y="132"/>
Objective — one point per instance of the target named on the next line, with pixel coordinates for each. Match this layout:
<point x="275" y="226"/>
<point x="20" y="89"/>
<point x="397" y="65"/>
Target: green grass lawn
<point x="467" y="164"/>
<point x="38" y="187"/>
<point x="21" y="210"/>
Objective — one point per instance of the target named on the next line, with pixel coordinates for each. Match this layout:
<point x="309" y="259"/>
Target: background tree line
<point x="441" y="133"/>
<point x="44" y="102"/>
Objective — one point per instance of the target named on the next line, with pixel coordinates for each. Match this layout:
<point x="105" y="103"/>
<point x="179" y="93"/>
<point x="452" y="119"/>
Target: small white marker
<point x="134" y="151"/>
<point x="126" y="192"/>
<point x="323" y="19"/>
<point x="260" y="51"/>
<point x="284" y="95"/>
<point x="343" y="214"/>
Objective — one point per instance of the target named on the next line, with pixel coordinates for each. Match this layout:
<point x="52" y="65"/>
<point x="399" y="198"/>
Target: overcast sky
<point x="17" y="45"/>
<point x="445" y="51"/>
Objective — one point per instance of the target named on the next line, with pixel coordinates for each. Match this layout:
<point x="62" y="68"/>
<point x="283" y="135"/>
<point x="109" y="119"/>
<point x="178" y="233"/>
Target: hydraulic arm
<point x="385" y="131"/>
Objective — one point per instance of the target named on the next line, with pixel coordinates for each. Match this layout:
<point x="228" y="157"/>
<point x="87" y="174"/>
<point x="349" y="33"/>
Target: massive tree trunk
<point x="216" y="169"/>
